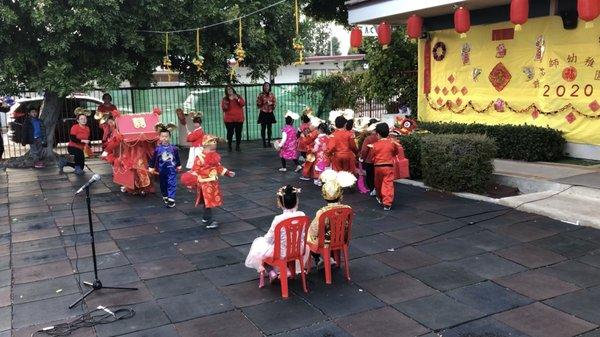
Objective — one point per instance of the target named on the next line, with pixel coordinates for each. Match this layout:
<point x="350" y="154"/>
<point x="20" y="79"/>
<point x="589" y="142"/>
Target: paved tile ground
<point x="435" y="265"/>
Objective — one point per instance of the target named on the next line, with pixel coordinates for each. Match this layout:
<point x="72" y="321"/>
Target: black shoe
<point x="237" y="148"/>
<point x="212" y="225"/>
<point x="170" y="203"/>
<point x="265" y="145"/>
<point x="229" y="149"/>
<point x="387" y="208"/>
<point x="165" y="200"/>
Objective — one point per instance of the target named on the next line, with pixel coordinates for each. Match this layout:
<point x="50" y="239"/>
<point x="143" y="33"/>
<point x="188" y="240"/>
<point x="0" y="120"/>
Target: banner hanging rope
<point x="214" y="24"/>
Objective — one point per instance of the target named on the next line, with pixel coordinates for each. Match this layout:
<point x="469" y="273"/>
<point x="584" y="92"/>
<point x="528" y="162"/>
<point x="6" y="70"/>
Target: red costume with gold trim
<point x="341" y="148"/>
<point x="204" y="177"/>
<point x="308" y="167"/>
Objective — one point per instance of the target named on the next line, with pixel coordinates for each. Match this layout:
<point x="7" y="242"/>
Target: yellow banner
<point x="542" y="75"/>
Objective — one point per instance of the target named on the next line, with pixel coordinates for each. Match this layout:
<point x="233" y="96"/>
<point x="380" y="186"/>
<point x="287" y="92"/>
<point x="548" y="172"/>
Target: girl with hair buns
<point x="195" y="137"/>
<point x="262" y="247"/>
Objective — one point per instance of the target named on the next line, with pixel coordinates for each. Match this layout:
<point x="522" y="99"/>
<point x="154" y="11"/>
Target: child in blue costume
<point x="166" y="160"/>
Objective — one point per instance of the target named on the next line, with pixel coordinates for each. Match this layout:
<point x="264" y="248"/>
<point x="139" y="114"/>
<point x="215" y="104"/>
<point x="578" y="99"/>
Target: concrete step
<point x="574" y="204"/>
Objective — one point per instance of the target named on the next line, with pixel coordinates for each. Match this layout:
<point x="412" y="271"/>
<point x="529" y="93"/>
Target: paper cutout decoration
<point x="529" y="73"/>
<point x="499" y="76"/>
<point x="475" y="74"/>
<point x="540" y="48"/>
<point x="439" y="51"/>
<point x="569" y="74"/>
<point x="500" y="51"/>
<point x="499" y="105"/>
<point x="465" y="54"/>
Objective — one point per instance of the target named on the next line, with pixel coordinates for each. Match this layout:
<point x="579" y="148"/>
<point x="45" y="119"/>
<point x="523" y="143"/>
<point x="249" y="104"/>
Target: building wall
<point x="549" y="98"/>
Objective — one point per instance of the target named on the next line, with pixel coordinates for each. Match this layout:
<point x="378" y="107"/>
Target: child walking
<point x="384" y="151"/>
<point x="166" y="161"/>
<point x="204" y="177"/>
<point x="262" y="247"/>
<point x="289" y="143"/>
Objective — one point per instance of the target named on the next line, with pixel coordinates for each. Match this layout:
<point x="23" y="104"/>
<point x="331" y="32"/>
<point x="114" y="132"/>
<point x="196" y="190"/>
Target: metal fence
<point x="294" y="97"/>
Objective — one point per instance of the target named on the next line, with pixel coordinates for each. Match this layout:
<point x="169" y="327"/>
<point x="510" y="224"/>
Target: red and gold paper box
<point x="138" y="127"/>
<point x="139" y="138"/>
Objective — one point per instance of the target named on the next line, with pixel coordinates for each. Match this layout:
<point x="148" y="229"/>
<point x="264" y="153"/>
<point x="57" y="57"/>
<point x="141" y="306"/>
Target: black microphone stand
<point x="96" y="285"/>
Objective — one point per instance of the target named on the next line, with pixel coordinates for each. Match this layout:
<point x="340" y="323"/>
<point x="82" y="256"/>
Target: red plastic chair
<point x="340" y="225"/>
<point x="295" y="230"/>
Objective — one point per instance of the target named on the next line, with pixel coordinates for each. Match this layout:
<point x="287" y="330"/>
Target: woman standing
<point x="106" y="106"/>
<point x="233" y="115"/>
<point x="79" y="138"/>
<point x="266" y="104"/>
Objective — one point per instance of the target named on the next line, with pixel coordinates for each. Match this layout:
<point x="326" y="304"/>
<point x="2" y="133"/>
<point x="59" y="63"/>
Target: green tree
<point x="392" y="71"/>
<point x="327" y="10"/>
<point x="317" y="39"/>
<point x="61" y="46"/>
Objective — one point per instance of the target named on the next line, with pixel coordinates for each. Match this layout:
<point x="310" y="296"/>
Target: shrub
<point x="457" y="162"/>
<point x="518" y="142"/>
<point x="412" y="151"/>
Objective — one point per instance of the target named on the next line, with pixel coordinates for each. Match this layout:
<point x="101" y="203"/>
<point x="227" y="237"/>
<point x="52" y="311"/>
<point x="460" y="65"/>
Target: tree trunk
<point x="50" y="112"/>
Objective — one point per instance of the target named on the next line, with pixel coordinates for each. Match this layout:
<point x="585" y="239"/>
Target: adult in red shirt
<point x="266" y="118"/>
<point x="106" y="106"/>
<point x="109" y="126"/>
<point x="384" y="151"/>
<point x="79" y="138"/>
<point x="341" y="147"/>
<point x="233" y="115"/>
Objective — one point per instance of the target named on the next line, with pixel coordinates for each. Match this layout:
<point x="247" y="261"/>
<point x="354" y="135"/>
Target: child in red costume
<point x="383" y="153"/>
<point x="195" y="137"/>
<point x="341" y="147"/>
<point x="204" y="177"/>
<point x="308" y="168"/>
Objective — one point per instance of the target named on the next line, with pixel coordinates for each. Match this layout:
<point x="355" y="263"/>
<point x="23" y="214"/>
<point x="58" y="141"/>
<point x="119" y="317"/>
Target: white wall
<point x="584" y="151"/>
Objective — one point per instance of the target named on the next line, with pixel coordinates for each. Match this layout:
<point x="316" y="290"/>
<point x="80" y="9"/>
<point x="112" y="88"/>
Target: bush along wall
<point x="517" y="142"/>
<point x="457" y="163"/>
<point x="412" y="151"/>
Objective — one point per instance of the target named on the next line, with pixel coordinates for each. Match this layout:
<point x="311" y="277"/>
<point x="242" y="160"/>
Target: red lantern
<point x="462" y="21"/>
<point x="384" y="34"/>
<point x="588" y="11"/>
<point x="355" y="38"/>
<point x="414" y="26"/>
<point x="519" y="12"/>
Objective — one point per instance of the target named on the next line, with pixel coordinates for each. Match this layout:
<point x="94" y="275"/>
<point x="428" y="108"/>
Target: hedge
<point x="457" y="163"/>
<point x="517" y="142"/>
<point x="412" y="151"/>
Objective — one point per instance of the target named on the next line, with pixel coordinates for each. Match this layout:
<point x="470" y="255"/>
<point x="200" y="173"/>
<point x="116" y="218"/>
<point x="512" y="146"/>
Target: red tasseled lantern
<point x="355" y="38"/>
<point x="384" y="34"/>
<point x="519" y="12"/>
<point x="462" y="21"/>
<point x="588" y="11"/>
<point x="414" y="27"/>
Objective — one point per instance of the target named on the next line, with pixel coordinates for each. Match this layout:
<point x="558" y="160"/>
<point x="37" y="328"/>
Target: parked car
<point x="21" y="108"/>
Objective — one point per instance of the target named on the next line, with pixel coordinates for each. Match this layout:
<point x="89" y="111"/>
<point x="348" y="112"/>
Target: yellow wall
<point x="519" y="93"/>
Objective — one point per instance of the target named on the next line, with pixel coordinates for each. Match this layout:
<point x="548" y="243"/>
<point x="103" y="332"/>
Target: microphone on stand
<point x="92" y="180"/>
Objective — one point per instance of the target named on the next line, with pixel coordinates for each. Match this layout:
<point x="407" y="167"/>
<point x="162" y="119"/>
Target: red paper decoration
<point x="462" y="21"/>
<point x="355" y="38"/>
<point x="414" y="27"/>
<point x="384" y="34"/>
<point x="519" y="12"/>
<point x="588" y="10"/>
<point x="569" y="74"/>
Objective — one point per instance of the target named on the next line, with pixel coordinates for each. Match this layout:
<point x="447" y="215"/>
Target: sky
<point x="343" y="36"/>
